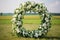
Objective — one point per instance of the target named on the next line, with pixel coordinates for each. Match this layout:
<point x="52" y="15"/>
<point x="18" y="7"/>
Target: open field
<point x="30" y="22"/>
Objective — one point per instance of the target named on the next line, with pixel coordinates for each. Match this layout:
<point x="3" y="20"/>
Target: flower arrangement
<point x="35" y="7"/>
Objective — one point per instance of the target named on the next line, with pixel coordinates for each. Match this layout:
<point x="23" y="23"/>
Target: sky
<point x="8" y="6"/>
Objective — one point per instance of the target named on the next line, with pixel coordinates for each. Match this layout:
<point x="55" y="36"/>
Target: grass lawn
<point x="30" y="22"/>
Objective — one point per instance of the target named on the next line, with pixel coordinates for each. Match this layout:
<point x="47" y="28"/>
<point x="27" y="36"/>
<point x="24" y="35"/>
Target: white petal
<point x="46" y="19"/>
<point x="42" y="14"/>
<point x="40" y="33"/>
<point x="17" y="11"/>
<point x="19" y="23"/>
<point x="36" y="35"/>
<point x="44" y="24"/>
<point x="17" y="30"/>
<point x="19" y="16"/>
<point x="13" y="20"/>
<point x="23" y="4"/>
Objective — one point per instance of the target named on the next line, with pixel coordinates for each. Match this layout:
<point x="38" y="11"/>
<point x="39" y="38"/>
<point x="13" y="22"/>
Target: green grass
<point x="29" y="21"/>
<point x="5" y="28"/>
<point x="5" y="21"/>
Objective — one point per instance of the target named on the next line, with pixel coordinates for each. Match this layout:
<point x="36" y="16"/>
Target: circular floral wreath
<point x="19" y="14"/>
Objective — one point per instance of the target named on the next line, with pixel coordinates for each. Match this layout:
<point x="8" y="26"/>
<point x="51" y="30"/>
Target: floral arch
<point x="35" y="7"/>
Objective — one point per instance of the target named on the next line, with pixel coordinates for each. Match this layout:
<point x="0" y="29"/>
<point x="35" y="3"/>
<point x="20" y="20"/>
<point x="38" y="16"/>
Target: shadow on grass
<point x="50" y="37"/>
<point x="44" y="37"/>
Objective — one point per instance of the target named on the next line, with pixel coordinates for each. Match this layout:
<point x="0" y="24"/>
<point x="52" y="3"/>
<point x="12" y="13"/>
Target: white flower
<point x="42" y="14"/>
<point x="45" y="27"/>
<point x="17" y="11"/>
<point x="33" y="3"/>
<point x="17" y="30"/>
<point x="46" y="19"/>
<point x="19" y="23"/>
<point x="19" y="16"/>
<point x="23" y="4"/>
<point x="13" y="20"/>
<point x="28" y="7"/>
<point x="45" y="31"/>
<point x="36" y="35"/>
<point x="23" y="33"/>
<point x="44" y="24"/>
<point x="40" y="27"/>
<point x="40" y="33"/>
